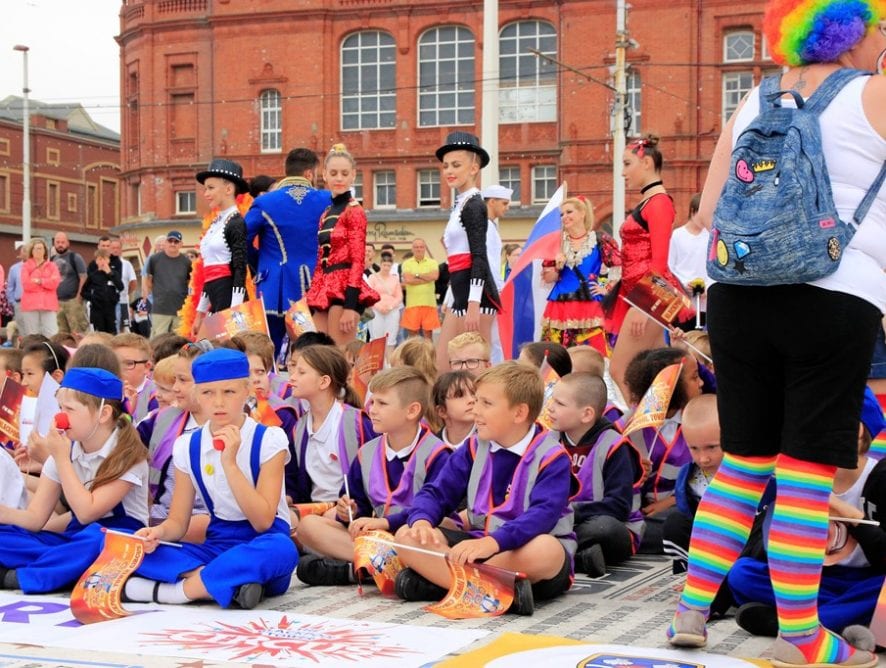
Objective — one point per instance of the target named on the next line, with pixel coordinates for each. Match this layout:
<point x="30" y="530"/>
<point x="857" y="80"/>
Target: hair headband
<point x="52" y="352"/>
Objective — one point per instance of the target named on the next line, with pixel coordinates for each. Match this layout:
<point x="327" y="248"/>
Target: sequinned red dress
<point x="644" y="249"/>
<point x="338" y="278"/>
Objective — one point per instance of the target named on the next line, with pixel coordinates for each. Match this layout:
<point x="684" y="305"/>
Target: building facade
<point x="75" y="175"/>
<point x="251" y="79"/>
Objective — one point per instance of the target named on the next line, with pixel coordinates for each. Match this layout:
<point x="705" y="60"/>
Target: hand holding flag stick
<point x="137" y="537"/>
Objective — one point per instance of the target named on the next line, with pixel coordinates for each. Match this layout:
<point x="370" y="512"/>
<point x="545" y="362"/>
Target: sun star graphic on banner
<point x="370" y="361"/>
<point x="477" y="591"/>
<point x="550" y="378"/>
<point x="285" y="639"/>
<point x="653" y="407"/>
<point x="247" y="317"/>
<point x="298" y="319"/>
<point x="96" y="596"/>
<point x="523" y="304"/>
<point x="379" y="558"/>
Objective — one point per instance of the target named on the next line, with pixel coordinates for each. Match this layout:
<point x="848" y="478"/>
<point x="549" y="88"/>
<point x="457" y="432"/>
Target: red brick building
<point x="75" y="175"/>
<point x="250" y="79"/>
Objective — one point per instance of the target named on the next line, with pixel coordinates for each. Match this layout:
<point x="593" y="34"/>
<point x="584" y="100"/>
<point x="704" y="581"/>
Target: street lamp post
<point x="26" y="147"/>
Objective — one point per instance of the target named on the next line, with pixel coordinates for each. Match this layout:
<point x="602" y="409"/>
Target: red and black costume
<point x="223" y="249"/>
<point x="338" y="278"/>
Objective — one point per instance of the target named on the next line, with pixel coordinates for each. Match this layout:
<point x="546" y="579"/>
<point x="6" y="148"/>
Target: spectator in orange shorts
<point x="418" y="274"/>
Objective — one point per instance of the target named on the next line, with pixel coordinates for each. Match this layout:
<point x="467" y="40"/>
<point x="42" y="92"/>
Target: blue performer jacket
<point x="286" y="221"/>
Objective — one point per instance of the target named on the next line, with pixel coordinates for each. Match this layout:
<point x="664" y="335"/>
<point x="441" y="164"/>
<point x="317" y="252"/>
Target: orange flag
<point x="477" y="590"/>
<point x="10" y="409"/>
<point x="370" y="360"/>
<point x="656" y="296"/>
<point x="379" y="558"/>
<point x="96" y="596"/>
<point x="318" y="508"/>
<point x="653" y="407"/>
<point x="298" y="319"/>
<point x="264" y="413"/>
<point x="247" y="317"/>
<point x="550" y="378"/>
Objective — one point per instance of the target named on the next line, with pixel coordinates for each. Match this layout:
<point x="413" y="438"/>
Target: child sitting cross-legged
<point x="608" y="521"/>
<point x="383" y="479"/>
<point x="236" y="466"/>
<point x="518" y="481"/>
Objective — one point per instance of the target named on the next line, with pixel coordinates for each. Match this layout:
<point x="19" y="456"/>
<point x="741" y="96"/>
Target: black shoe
<point x="591" y="561"/>
<point x="9" y="579"/>
<point x="410" y="586"/>
<point x="249" y="595"/>
<point x="758" y="619"/>
<point x="524" y="601"/>
<point x="316" y="570"/>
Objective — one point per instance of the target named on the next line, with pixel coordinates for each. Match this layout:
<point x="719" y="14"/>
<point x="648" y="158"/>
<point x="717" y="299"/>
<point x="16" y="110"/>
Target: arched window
<point x="528" y="83"/>
<point x="270" y="120"/>
<point x="446" y="79"/>
<point x="368" y="81"/>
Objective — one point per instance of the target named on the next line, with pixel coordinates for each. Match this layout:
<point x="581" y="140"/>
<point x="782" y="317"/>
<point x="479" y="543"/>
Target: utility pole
<point x="26" y="147"/>
<point x="618" y="124"/>
<point x="489" y="118"/>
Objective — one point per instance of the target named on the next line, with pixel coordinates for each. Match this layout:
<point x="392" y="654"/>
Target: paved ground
<point x="630" y="606"/>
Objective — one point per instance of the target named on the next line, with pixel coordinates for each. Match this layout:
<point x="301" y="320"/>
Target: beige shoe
<point x="688" y="630"/>
<point x="786" y="655"/>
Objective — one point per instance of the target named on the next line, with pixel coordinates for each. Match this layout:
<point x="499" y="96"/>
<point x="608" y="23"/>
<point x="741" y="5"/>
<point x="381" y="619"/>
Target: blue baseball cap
<point x="220" y="364"/>
<point x="872" y="413"/>
<point x="97" y="382"/>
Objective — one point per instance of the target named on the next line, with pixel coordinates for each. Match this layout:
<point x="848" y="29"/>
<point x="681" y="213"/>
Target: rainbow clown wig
<point x="801" y="32"/>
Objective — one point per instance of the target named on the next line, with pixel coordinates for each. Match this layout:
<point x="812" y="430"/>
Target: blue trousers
<point x="847" y="596"/>
<point x="233" y="554"/>
<point x="45" y="561"/>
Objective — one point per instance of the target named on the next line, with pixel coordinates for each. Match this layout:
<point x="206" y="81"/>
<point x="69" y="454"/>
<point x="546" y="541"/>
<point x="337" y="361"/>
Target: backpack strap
<point x="830" y="87"/>
<point x="869" y="197"/>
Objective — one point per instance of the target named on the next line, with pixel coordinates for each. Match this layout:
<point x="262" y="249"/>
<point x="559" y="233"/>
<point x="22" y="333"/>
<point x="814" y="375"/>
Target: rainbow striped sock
<point x="721" y="527"/>
<point x="797" y="540"/>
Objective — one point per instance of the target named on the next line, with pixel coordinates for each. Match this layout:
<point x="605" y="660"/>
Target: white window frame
<point x="379" y="59"/>
<point x="270" y="111"/>
<point x="764" y="49"/>
<point x="528" y="96"/>
<point x="377" y="178"/>
<point x="427" y="184"/>
<point x="634" y="101"/>
<point x="735" y="34"/>
<point x="734" y="91"/>
<point x="546" y="174"/>
<point x="450" y="96"/>
<point x="357" y="186"/>
<point x="182" y="198"/>
<point x="508" y="180"/>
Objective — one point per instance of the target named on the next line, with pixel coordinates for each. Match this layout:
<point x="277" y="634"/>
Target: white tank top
<point x="854" y="153"/>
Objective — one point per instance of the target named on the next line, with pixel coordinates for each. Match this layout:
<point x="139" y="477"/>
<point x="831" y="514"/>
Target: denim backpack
<point x="776" y="222"/>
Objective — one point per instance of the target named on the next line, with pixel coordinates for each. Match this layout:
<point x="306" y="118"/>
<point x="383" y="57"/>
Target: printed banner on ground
<point x="247" y="317"/>
<point x="96" y="597"/>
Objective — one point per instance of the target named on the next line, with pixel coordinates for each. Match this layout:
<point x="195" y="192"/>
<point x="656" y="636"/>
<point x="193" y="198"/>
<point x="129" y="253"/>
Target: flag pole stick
<point x="665" y="327"/>
<point x="854" y="520"/>
<point x="141" y="538"/>
<point x="351" y="521"/>
<point x="441" y="555"/>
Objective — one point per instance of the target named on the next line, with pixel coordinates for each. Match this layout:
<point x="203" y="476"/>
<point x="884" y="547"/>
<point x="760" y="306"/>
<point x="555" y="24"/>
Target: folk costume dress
<point x="338" y="278"/>
<point x="223" y="249"/>
<point x="573" y="315"/>
<point x="470" y="278"/>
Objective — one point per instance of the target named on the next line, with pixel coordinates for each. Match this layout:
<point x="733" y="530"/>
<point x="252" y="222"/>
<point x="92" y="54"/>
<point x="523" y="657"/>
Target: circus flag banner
<point x="247" y="317"/>
<point x="316" y="508"/>
<point x="655" y="296"/>
<point x="263" y="412"/>
<point x="370" y="360"/>
<point x="10" y="409"/>
<point x="653" y="407"/>
<point x="374" y="551"/>
<point x="477" y="590"/>
<point x="298" y="319"/>
<point x="550" y="378"/>
<point x="96" y="597"/>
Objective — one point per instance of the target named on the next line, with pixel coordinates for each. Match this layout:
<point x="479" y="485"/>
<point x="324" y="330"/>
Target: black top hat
<point x="225" y="169"/>
<point x="463" y="141"/>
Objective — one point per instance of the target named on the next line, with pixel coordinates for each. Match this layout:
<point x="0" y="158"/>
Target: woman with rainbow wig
<point x="790" y="393"/>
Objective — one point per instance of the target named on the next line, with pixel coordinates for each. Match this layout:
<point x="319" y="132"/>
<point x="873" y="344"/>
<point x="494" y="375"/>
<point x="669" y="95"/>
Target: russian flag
<point x="523" y="296"/>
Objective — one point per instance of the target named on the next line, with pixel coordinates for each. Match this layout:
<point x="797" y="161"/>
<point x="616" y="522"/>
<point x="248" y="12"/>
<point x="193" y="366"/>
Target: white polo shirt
<point x="12" y="485"/>
<point x="225" y="505"/>
<point x="86" y="465"/>
<point x="322" y="455"/>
